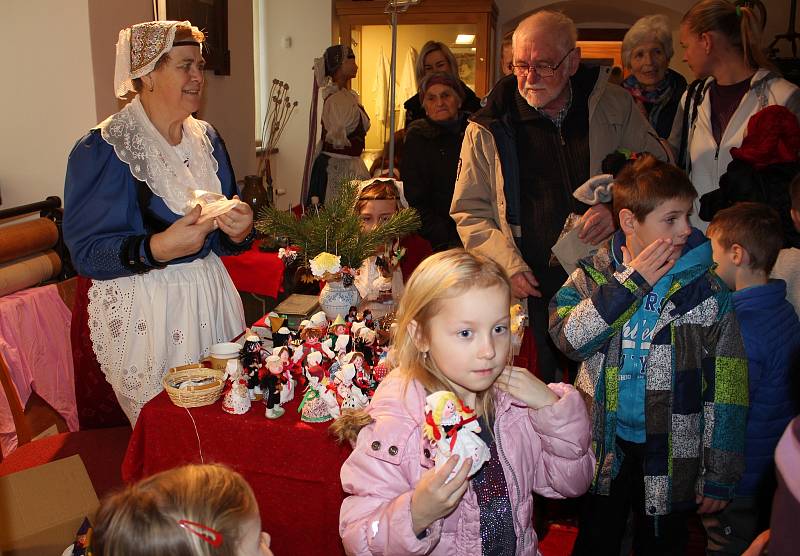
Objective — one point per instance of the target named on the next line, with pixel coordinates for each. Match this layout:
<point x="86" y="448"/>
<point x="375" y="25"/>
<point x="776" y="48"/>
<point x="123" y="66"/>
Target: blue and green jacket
<point x="696" y="393"/>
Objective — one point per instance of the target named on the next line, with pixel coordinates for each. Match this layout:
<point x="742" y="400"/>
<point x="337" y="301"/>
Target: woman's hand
<point x="434" y="497"/>
<point x="237" y="222"/>
<point x="184" y="237"/>
<point x="523" y="385"/>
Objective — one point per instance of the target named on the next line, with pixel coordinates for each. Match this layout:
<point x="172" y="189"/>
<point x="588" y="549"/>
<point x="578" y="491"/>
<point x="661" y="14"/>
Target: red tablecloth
<point x="256" y="272"/>
<point x="292" y="466"/>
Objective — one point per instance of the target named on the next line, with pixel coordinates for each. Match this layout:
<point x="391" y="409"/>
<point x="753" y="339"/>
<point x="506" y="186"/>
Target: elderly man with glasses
<point x="544" y="131"/>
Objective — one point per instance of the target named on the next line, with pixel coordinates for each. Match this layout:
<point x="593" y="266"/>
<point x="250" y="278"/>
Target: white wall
<point x="47" y="98"/>
<point x="308" y="24"/>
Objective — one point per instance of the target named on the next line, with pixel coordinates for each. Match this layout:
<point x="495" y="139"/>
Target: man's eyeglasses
<point x="542" y="70"/>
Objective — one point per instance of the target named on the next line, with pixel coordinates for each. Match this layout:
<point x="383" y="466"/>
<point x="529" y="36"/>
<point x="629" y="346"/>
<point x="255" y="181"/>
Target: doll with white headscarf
<point x="344" y="127"/>
<point x="149" y="205"/>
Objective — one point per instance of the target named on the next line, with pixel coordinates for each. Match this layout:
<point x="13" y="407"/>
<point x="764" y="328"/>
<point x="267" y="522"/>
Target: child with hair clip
<point x="194" y="510"/>
<point x="453" y="335"/>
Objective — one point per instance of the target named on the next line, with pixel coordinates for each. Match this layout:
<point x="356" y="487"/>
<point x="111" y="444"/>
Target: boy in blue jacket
<point x="746" y="239"/>
<point x="663" y="368"/>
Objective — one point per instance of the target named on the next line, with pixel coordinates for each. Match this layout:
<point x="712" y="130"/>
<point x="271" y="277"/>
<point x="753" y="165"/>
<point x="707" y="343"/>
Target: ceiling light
<point x="465" y="39"/>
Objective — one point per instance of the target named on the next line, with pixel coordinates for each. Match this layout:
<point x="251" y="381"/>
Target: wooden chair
<point x="101" y="450"/>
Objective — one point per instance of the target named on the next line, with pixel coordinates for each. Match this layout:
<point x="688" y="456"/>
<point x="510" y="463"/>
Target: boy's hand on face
<point x="653" y="262"/>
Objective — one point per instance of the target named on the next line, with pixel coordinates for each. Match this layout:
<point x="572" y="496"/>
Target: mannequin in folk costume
<point x="344" y="127"/>
<point x="271" y="385"/>
<point x="236" y="399"/>
<point x="454" y="429"/>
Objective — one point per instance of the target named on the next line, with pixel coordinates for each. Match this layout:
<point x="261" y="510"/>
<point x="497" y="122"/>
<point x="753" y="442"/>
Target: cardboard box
<point x="41" y="508"/>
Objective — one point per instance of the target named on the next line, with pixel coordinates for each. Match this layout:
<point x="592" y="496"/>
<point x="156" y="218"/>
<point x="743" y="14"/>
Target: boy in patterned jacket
<point x="663" y="369"/>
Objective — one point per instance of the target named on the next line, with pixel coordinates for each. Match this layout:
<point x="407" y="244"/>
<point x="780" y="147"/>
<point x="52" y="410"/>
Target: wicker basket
<point x="193" y="396"/>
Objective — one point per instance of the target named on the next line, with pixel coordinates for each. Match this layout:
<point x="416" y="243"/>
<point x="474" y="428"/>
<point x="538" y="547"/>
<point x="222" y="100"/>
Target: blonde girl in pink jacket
<point x="453" y="334"/>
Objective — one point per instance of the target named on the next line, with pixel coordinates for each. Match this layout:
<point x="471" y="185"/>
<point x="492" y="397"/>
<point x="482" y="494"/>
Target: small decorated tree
<point x="329" y="240"/>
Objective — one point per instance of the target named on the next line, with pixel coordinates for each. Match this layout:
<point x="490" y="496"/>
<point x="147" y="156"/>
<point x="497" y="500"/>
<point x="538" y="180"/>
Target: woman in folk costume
<point x="158" y="295"/>
<point x="344" y="126"/>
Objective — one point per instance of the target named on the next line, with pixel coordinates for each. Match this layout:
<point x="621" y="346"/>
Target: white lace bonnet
<point x="139" y="48"/>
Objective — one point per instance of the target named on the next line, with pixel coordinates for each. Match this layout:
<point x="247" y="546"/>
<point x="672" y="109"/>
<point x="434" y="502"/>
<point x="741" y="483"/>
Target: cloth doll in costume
<point x="236" y="400"/>
<point x="348" y="394"/>
<point x="327" y="390"/>
<point x="290" y="368"/>
<point x="252" y="356"/>
<point x="271" y="385"/>
<point x="365" y="340"/>
<point x="453" y="428"/>
<point x="363" y="379"/>
<point x="310" y="338"/>
<point x="313" y="407"/>
<point x="338" y="340"/>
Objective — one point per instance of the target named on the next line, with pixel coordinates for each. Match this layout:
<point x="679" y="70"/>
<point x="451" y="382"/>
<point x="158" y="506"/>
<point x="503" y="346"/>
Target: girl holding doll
<point x="453" y="335"/>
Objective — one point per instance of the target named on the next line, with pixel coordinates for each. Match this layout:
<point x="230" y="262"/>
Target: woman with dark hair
<point x="436" y="57"/>
<point x="656" y="89"/>
<point x="721" y="44"/>
<point x="344" y="125"/>
<point x="430" y="160"/>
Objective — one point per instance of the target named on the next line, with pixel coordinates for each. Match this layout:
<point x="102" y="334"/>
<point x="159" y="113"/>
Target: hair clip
<point x="211" y="536"/>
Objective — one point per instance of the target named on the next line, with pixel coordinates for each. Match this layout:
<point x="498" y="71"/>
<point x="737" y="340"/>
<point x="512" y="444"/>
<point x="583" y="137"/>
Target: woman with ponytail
<point x="721" y="42"/>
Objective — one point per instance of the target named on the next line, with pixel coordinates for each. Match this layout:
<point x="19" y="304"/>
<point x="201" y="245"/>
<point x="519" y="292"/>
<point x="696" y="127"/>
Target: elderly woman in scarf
<point x="149" y="206"/>
<point x="656" y="89"/>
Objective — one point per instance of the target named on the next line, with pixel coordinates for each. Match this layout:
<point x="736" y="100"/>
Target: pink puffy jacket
<point x="546" y="451"/>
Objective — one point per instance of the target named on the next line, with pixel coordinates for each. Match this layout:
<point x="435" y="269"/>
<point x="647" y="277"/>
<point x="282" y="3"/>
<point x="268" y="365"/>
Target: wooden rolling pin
<point x="28" y="271"/>
<point x="26" y="238"/>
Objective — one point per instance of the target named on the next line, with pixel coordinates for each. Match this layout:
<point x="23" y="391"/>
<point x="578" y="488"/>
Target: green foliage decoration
<point x="335" y="228"/>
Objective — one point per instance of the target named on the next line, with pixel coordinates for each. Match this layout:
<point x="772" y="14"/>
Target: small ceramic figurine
<point x="236" y="400"/>
<point x="252" y="356"/>
<point x="453" y="428"/>
<point x="271" y="385"/>
<point x="313" y="407"/>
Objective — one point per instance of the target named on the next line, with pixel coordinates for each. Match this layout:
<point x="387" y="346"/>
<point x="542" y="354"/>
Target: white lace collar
<point x="154" y="161"/>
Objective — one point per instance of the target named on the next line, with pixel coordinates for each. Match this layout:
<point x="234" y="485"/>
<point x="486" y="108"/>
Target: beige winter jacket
<point x="479" y="203"/>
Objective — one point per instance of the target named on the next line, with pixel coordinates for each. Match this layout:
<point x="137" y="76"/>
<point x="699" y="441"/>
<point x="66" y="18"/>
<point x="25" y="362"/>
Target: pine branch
<point x="336" y="228"/>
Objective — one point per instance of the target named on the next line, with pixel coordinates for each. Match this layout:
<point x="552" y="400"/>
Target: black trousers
<point x="602" y="520"/>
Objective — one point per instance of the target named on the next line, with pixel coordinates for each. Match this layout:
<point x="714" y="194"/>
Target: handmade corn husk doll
<point x="453" y="428"/>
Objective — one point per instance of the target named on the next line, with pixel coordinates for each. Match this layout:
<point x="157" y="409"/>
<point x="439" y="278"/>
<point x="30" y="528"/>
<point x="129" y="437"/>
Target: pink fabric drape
<point x="35" y="343"/>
